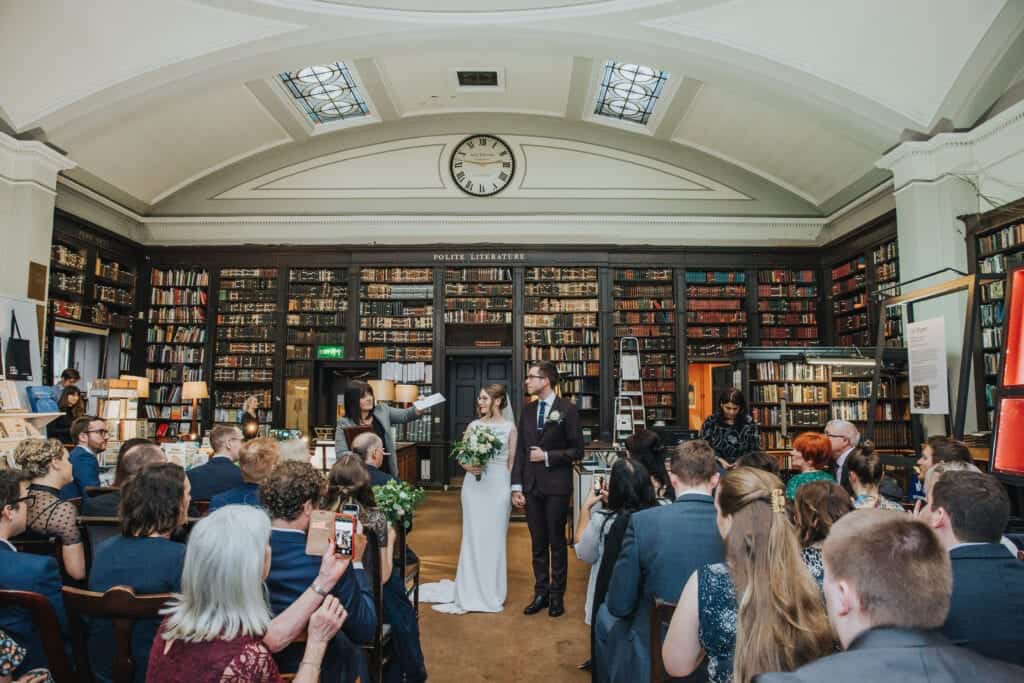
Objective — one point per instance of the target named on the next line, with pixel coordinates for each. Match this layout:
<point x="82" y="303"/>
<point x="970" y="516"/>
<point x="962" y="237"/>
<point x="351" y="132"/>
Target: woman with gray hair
<point x="220" y="628"/>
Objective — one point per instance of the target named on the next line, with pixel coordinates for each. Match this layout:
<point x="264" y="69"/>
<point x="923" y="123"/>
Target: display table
<point x="19" y="426"/>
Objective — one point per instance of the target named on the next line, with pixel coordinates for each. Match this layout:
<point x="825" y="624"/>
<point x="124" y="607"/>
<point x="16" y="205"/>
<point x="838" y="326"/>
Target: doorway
<point x="707" y="381"/>
<point x="466" y="376"/>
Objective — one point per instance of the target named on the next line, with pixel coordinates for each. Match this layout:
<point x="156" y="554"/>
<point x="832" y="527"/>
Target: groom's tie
<point x="540" y="415"/>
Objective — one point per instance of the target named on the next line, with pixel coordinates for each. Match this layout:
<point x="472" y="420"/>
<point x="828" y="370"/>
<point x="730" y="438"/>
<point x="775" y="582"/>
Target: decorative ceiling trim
<point x="31" y="161"/>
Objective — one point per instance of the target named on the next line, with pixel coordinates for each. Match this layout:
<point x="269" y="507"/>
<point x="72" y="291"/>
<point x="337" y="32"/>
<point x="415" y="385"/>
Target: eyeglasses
<point x="29" y="499"/>
<point x="104" y="432"/>
<point x="834" y="436"/>
<point x="535" y="377"/>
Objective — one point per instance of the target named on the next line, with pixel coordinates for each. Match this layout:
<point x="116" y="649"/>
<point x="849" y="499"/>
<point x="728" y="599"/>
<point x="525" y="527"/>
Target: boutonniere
<point x="554" y="417"/>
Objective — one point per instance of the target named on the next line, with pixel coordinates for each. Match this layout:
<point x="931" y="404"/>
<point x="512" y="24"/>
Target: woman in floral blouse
<point x="730" y="430"/>
<point x="865" y="476"/>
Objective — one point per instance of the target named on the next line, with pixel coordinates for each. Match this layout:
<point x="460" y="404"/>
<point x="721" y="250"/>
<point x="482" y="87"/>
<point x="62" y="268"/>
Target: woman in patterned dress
<point x="730" y="430"/>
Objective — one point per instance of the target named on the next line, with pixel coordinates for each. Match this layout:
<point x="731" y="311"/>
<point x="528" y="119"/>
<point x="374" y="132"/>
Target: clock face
<point x="482" y="165"/>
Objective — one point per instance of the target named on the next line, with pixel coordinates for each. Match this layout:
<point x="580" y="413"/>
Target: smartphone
<point x="344" y="534"/>
<point x="325" y="523"/>
<point x="351" y="509"/>
<point x="598" y="484"/>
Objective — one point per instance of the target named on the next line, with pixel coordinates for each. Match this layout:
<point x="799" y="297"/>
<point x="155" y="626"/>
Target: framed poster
<point x="929" y="375"/>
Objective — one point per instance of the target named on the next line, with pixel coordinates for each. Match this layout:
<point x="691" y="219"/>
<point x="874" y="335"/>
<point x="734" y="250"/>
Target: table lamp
<point x="405" y="394"/>
<point x="383" y="389"/>
<point x="194" y="391"/>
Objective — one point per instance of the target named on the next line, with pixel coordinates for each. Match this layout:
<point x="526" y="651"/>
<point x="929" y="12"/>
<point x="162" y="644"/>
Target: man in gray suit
<point x="887" y="589"/>
<point x="662" y="547"/>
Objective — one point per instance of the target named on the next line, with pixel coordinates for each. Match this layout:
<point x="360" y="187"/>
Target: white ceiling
<point x="150" y="97"/>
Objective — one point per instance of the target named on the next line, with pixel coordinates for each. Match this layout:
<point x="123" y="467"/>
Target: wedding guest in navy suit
<point x="89" y="433"/>
<point x="256" y="459"/>
<point x="133" y="455"/>
<point x="24" y="571"/>
<point x="969" y="511"/>
<point x="221" y="473"/>
<point x="154" y="504"/>
<point x="291" y="494"/>
<point x="370" y="448"/>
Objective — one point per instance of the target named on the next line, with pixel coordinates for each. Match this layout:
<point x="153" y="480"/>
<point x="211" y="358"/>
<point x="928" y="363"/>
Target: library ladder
<point x="630" y="411"/>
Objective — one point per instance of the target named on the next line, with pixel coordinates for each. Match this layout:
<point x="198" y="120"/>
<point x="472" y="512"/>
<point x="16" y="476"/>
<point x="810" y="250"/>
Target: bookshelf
<point x="885" y="259"/>
<point x="716" y="315"/>
<point x="645" y="308"/>
<point x="849" y="297"/>
<point x="248" y="316"/>
<point x="851" y="396"/>
<point x="560" y="324"/>
<point x="478" y="307"/>
<point x="787" y="303"/>
<point x="175" y="345"/>
<point x="67" y="279"/>
<point x="101" y="295"/>
<point x="317" y="303"/>
<point x="806" y="390"/>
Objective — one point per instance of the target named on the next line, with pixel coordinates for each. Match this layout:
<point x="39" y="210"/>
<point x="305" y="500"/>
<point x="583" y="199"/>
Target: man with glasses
<point x="843" y="437"/>
<point x="221" y="473"/>
<point x="24" y="571"/>
<point x="90" y="436"/>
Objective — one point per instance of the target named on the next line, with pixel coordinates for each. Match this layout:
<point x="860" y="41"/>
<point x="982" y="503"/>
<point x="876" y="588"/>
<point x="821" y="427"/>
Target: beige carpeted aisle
<point x="508" y="646"/>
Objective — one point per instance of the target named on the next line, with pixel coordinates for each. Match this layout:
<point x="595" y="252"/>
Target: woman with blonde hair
<point x="47" y="462"/>
<point x="760" y="610"/>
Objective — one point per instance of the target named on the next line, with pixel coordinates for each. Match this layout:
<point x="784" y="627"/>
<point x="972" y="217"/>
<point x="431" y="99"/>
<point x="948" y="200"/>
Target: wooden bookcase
<point x="885" y="262"/>
<point x="787" y="302"/>
<point x="317" y="311"/>
<point x="478" y="307"/>
<point x="850" y="318"/>
<point x="716" y="313"/>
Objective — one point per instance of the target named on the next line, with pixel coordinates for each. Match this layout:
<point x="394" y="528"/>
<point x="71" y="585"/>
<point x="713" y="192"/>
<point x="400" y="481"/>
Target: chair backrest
<point x="202" y="507"/>
<point x="45" y="619"/>
<point x="371" y="561"/>
<point x="40" y="544"/>
<point x="93" y="491"/>
<point x="661" y="616"/>
<point x="95" y="530"/>
<point x="123" y="607"/>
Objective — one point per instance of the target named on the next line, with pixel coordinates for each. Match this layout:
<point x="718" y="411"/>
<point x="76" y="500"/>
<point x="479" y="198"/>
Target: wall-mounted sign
<point x="929" y="379"/>
<point x="330" y="352"/>
<point x="478" y="256"/>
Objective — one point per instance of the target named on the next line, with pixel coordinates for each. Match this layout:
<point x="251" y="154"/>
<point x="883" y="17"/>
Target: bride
<point x="481" y="578"/>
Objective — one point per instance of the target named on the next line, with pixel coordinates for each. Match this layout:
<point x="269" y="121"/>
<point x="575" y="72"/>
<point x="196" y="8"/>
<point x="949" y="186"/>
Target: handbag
<point x="17" y="360"/>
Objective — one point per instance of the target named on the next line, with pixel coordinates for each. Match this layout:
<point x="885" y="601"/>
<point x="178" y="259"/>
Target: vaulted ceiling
<point x="173" y="107"/>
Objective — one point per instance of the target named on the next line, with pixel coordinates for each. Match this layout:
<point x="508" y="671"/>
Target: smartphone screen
<point x="344" y="530"/>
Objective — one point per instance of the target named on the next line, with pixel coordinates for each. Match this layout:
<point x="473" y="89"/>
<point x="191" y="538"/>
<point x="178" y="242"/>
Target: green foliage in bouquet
<point x="397" y="500"/>
<point x="479" y="446"/>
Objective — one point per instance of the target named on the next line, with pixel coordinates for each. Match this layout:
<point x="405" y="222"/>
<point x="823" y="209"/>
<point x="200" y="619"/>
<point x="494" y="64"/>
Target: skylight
<point x="629" y="92"/>
<point x="325" y="93"/>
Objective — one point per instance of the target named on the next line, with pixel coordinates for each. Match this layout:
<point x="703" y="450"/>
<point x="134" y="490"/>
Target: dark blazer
<point x="663" y="546"/>
<point x="379" y="477"/>
<point x="85" y="469"/>
<point x="246" y="494"/>
<point x="897" y="654"/>
<point x="37" y="574"/>
<point x="844" y="481"/>
<point x="292" y="571"/>
<point x="103" y="505"/>
<point x="148" y="565"/>
<point x="220" y="474"/>
<point x="986" y="612"/>
<point x="563" y="441"/>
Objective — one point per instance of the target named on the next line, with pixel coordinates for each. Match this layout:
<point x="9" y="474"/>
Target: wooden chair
<point x="123" y="607"/>
<point x="410" y="570"/>
<point x="40" y="544"/>
<point x="47" y="626"/>
<point x="378" y="649"/>
<point x="661" y="616"/>
<point x="96" y="530"/>
<point x="201" y="507"/>
<point x="92" y="491"/>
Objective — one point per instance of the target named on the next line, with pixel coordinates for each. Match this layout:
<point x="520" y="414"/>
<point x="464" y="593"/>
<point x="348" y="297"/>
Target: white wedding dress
<point x="481" y="580"/>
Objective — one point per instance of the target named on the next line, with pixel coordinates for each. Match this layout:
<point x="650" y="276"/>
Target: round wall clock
<point x="482" y="165"/>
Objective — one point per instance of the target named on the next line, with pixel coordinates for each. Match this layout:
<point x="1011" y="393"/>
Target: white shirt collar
<point x="964" y="545"/>
<point x="693" y="492"/>
<point x="294" y="531"/>
<point x="841" y="460"/>
<point x="9" y="544"/>
<point x="221" y="455"/>
<point x="550" y="400"/>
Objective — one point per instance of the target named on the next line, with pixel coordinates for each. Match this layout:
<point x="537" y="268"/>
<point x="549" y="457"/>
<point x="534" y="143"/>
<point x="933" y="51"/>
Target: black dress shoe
<point x="556" y="609"/>
<point x="539" y="603"/>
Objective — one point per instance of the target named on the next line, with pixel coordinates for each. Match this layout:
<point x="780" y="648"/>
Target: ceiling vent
<point x="478" y="79"/>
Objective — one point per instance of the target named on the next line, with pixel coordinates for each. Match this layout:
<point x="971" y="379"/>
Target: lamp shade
<point x="191" y="390"/>
<point x="383" y="389"/>
<point x="141" y="384"/>
<point x="406" y="393"/>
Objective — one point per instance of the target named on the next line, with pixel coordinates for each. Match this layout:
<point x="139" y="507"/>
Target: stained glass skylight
<point x="629" y="92"/>
<point x="325" y="93"/>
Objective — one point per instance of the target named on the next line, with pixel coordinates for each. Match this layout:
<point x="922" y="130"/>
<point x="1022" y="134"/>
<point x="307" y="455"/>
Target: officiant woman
<point x="360" y="410"/>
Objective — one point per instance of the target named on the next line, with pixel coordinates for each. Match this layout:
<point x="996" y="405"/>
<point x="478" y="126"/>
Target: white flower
<point x="554" y="416"/>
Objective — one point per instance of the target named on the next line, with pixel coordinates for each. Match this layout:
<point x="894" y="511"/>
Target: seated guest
<point x="220" y="473"/>
<point x="68" y="378"/>
<point x="780" y="623"/>
<point x="133" y="455"/>
<point x="291" y="493"/>
<point x="89" y="434"/>
<point x="969" y="511"/>
<point x="11" y="657"/>
<point x="843" y="437"/>
<point x="760" y="460"/>
<point x="921" y="508"/>
<point x="72" y="403"/>
<point x="219" y="627"/>
<point x="46" y="461"/>
<point x="809" y="456"/>
<point x="645" y="448"/>
<point x="817" y="507"/>
<point x="154" y="503"/>
<point x="349" y="482"/>
<point x="256" y="459"/>
<point x="660" y="547"/>
<point x="865" y="476"/>
<point x="941" y="449"/>
<point x="887" y="587"/>
<point x="369" y="447"/>
<point x="24" y="571"/>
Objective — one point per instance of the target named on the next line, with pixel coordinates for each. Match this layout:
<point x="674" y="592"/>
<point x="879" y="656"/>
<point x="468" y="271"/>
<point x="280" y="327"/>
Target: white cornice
<point x="100" y="199"/>
<point x="29" y="161"/>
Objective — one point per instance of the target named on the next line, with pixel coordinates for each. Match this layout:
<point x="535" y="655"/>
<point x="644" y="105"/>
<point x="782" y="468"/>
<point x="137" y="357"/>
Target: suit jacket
<point x="563" y="441"/>
<point x="37" y="574"/>
<point x="292" y="571"/>
<point x="103" y="505"/>
<point x="843" y="481"/>
<point x="220" y="474"/>
<point x="898" y="654"/>
<point x="662" y="547"/>
<point x="246" y="494"/>
<point x="387" y="416"/>
<point x="379" y="477"/>
<point x="986" y="612"/>
<point x="85" y="469"/>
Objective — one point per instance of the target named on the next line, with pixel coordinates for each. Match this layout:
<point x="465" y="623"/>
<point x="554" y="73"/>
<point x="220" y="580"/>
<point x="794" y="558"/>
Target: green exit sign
<point x="330" y="352"/>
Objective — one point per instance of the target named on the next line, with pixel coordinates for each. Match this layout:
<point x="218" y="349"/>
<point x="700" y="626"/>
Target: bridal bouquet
<point x="397" y="500"/>
<point x="479" y="446"/>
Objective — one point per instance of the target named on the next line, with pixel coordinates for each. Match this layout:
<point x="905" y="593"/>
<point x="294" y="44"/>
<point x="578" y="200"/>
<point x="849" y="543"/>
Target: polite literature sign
<point x="929" y="383"/>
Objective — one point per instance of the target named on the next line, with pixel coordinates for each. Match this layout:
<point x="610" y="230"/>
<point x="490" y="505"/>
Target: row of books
<point x="247" y="307"/>
<point x="645" y="274"/>
<point x="244" y="332"/>
<point x="315" y="275"/>
<point x="1005" y="238"/>
<point x="476" y="317"/>
<point x="248" y="294"/>
<point x="562" y="274"/>
<point x="315" y="319"/>
<point x="174" y="375"/>
<point x="234" y="415"/>
<point x="645" y="305"/>
<point x="557" y="353"/>
<point x="478" y="274"/>
<point x="477" y="289"/>
<point x="717" y="277"/>
<point x="184" y="315"/>
<point x="562" y="336"/>
<point x="405" y="292"/>
<point x="794" y="393"/>
<point x="177" y="297"/>
<point x="789" y="371"/>
<point x="394" y="308"/>
<point x="317" y="305"/>
<point x="577" y="289"/>
<point x="408" y="373"/>
<point x="643" y="318"/>
<point x="555" y="305"/>
<point x="179" y="278"/>
<point x="642" y="291"/>
<point x="175" y="354"/>
<point x="235" y="361"/>
<point x="423" y="322"/>
<point x="396" y="336"/>
<point x="243" y="375"/>
<point x="67" y="282"/>
<point x="315" y="336"/>
<point x="858" y="411"/>
<point x="261" y="273"/>
<point x="408" y="353"/>
<point x="796" y="418"/>
<point x="67" y="257"/>
<point x="478" y="304"/>
<point x="397" y="275"/>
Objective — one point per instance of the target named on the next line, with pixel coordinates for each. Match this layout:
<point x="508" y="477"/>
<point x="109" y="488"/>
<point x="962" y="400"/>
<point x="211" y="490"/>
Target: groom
<point x="550" y="441"/>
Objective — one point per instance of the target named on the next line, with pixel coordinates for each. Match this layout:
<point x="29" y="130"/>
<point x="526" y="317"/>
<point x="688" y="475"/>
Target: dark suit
<point x="662" y="547"/>
<point x="85" y="469"/>
<point x="246" y="494"/>
<point x="379" y="477"/>
<point x="986" y="612"/>
<point x="548" y="487"/>
<point x="148" y="565"/>
<point x="843" y="478"/>
<point x="37" y="574"/>
<point x="103" y="505"/>
<point x="292" y="571"/>
<point x="217" y="476"/>
<point x="897" y="654"/>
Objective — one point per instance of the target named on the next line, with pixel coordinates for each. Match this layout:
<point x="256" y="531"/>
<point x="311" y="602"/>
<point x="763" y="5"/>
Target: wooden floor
<point x="508" y="646"/>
